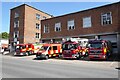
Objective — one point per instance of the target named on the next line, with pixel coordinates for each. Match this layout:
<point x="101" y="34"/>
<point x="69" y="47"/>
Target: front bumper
<point x="97" y="56"/>
<point x="72" y="56"/>
<point x="19" y="54"/>
<point x="40" y="56"/>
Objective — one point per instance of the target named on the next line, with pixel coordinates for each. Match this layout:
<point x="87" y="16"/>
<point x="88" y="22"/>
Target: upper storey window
<point x="16" y="15"/>
<point x="71" y="25"/>
<point x="57" y="27"/>
<point x="37" y="16"/>
<point x="86" y="22"/>
<point x="44" y="17"/>
<point x="106" y="18"/>
<point x="46" y="29"/>
<point x="16" y="23"/>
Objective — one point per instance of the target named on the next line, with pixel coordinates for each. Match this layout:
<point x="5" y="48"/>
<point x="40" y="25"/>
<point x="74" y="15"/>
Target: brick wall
<point x="21" y="23"/>
<point x="27" y="23"/>
<point x="96" y="28"/>
<point x="30" y="24"/>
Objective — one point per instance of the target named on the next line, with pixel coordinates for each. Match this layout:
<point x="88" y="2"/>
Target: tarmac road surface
<point x="26" y="67"/>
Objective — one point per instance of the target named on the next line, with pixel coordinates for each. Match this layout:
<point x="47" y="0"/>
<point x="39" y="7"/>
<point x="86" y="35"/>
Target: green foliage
<point x="4" y="35"/>
<point x="0" y="35"/>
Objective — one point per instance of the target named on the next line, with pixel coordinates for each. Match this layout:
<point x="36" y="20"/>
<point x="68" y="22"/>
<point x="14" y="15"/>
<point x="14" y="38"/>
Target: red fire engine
<point x="73" y="48"/>
<point x="26" y="49"/>
<point x="99" y="49"/>
<point x="49" y="50"/>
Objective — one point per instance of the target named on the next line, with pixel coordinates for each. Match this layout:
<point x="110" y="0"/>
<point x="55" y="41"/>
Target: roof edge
<point x="84" y="10"/>
<point x="31" y="7"/>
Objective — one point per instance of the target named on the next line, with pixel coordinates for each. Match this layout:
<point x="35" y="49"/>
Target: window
<point x="16" y="15"/>
<point x="49" y="48"/>
<point x="16" y="34"/>
<point x="37" y="26"/>
<point x="106" y="18"/>
<point x="57" y="26"/>
<point x="37" y="35"/>
<point x="54" y="47"/>
<point x="16" y="23"/>
<point x="86" y="22"/>
<point x="37" y="16"/>
<point x="71" y="25"/>
<point x="44" y="17"/>
<point x="46" y="29"/>
<point x="114" y="45"/>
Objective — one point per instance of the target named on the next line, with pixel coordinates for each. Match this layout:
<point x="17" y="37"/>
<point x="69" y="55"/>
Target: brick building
<point x="30" y="25"/>
<point x="25" y="24"/>
<point x="101" y="22"/>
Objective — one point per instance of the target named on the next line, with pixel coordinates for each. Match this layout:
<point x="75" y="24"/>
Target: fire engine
<point x="99" y="49"/>
<point x="49" y="50"/>
<point x="74" y="48"/>
<point x="27" y="49"/>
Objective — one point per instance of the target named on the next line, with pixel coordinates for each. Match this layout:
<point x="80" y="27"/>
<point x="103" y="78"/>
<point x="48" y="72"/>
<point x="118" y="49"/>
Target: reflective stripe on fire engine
<point x="54" y="54"/>
<point x="50" y="55"/>
<point x="23" y="49"/>
<point x="80" y="50"/>
<point x="36" y="50"/>
<point x="51" y="52"/>
<point x="30" y="48"/>
<point x="55" y="51"/>
<point x="60" y="50"/>
<point x="105" y="50"/>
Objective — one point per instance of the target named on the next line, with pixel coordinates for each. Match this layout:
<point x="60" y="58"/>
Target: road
<point x="27" y="67"/>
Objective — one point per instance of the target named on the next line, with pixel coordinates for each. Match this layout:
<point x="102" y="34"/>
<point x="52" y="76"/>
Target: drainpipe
<point x="118" y="44"/>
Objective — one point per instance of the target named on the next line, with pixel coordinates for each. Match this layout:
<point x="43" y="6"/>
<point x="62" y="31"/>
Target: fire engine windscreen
<point x="44" y="48"/>
<point x="20" y="47"/>
<point x="69" y="46"/>
<point x="97" y="45"/>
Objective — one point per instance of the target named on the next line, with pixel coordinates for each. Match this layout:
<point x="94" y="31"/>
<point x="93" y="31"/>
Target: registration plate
<point x="96" y="56"/>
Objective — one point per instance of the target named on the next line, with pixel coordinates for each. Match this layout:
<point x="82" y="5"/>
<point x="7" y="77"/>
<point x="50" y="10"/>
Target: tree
<point x="4" y="35"/>
<point x="0" y="35"/>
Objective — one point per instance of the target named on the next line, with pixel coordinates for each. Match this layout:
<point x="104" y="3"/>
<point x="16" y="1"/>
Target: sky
<point x="53" y="8"/>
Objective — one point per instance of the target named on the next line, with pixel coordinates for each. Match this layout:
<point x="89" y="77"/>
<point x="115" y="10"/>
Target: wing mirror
<point x="79" y="47"/>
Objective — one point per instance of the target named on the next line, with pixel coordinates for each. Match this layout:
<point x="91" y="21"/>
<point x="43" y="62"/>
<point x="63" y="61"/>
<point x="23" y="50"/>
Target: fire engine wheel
<point x="86" y="54"/>
<point x="78" y="57"/>
<point x="60" y="56"/>
<point x="46" y="57"/>
<point x="27" y="54"/>
<point x="107" y="57"/>
<point x="30" y="52"/>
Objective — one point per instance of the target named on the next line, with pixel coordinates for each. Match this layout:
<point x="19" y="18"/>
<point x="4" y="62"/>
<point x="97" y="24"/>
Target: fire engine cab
<point x="99" y="49"/>
<point x="49" y="50"/>
<point x="73" y="48"/>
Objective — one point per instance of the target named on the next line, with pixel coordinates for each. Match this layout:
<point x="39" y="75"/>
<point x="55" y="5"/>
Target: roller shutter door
<point x="113" y="39"/>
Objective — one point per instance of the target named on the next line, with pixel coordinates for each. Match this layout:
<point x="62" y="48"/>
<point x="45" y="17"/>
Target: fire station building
<point x="25" y="24"/>
<point x="101" y="22"/>
<point x="30" y="25"/>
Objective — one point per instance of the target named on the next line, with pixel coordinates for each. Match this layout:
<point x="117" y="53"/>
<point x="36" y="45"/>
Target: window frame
<point x="16" y="34"/>
<point x="46" y="28"/>
<point x="16" y="14"/>
<point x="37" y="26"/>
<point x="37" y="35"/>
<point x="44" y="17"/>
<point x="106" y="17"/>
<point x="59" y="27"/>
<point x="37" y="16"/>
<point x="16" y="25"/>
<point x="69" y="23"/>
<point x="85" y="21"/>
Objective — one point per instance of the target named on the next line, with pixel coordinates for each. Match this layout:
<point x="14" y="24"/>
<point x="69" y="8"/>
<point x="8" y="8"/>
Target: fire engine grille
<point x="95" y="51"/>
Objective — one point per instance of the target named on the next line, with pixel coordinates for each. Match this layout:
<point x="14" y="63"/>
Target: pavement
<point x="29" y="67"/>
